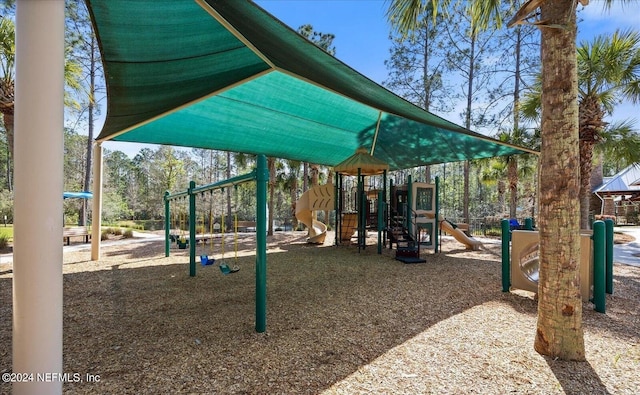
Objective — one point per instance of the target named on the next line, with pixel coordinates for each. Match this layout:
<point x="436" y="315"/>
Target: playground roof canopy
<point x="77" y="195"/>
<point x="225" y="74"/>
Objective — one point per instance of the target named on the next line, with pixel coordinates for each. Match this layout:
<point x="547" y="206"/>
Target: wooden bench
<point x="75" y="231"/>
<point x="246" y="226"/>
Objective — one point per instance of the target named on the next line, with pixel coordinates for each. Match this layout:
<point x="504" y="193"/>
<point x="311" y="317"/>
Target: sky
<point x="362" y="36"/>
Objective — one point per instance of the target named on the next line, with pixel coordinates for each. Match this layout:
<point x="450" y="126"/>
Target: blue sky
<point x="362" y="32"/>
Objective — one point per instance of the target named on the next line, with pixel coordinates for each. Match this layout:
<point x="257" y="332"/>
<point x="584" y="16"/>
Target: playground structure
<point x="404" y="215"/>
<point x="520" y="261"/>
<point x="318" y="198"/>
<point x="261" y="176"/>
<point x="460" y="233"/>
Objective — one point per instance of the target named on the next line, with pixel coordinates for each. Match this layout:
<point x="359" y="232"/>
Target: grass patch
<point x="6" y="231"/>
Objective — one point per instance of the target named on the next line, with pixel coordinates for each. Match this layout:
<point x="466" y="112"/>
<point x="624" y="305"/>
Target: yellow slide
<point x="470" y="242"/>
<point x="317" y="198"/>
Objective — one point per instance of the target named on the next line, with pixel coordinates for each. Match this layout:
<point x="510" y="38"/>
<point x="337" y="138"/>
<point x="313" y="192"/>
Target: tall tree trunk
<point x="559" y="331"/>
<point x="329" y="181"/>
<point x="586" y="166"/>
<point x="271" y="165"/>
<point x="501" y="192"/>
<point x="426" y="86"/>
<point x="305" y="177"/>
<point x="465" y="197"/>
<point x="91" y="108"/>
<point x="590" y="126"/>
<point x="512" y="169"/>
<point x="597" y="178"/>
<point x="7" y="117"/>
<point x="512" y="176"/>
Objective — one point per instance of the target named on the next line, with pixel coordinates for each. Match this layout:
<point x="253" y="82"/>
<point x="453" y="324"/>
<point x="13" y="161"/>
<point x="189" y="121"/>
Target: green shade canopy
<point x="226" y="75"/>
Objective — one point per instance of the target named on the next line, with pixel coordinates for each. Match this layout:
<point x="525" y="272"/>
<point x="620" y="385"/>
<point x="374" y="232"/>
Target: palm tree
<point x="72" y="76"/>
<point x="609" y="70"/>
<point x="559" y="329"/>
<point x="7" y="82"/>
<point x="620" y="145"/>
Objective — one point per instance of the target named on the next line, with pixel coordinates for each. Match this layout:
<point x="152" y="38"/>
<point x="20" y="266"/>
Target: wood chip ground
<point x="339" y="321"/>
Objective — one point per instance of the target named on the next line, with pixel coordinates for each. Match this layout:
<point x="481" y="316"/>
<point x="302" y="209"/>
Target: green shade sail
<point x="225" y="74"/>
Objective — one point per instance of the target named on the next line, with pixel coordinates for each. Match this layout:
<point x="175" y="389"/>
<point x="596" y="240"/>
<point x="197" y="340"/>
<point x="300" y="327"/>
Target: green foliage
<point x="7" y="231"/>
<point x="4" y="241"/>
<point x="128" y="233"/>
<point x="322" y="40"/>
<point x="6" y="206"/>
<point x="115" y="207"/>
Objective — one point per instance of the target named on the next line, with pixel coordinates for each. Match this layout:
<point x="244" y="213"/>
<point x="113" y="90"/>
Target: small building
<point x="620" y="196"/>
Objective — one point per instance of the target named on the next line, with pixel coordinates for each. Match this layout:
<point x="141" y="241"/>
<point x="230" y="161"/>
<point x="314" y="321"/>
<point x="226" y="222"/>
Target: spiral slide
<point x="470" y="242"/>
<point x="317" y="198"/>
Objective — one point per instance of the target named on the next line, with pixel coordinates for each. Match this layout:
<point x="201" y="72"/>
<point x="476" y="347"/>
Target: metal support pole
<point x="360" y="200"/>
<point x="39" y="153"/>
<point x="528" y="223"/>
<point x="599" y="277"/>
<point x="409" y="203"/>
<point x="336" y="208"/>
<point x="506" y="259"/>
<point x="262" y="178"/>
<point x="167" y="223"/>
<point x="391" y="208"/>
<point x="608" y="224"/>
<point x="96" y="215"/>
<point x="192" y="229"/>
<point x="380" y="219"/>
<point x="385" y="215"/>
<point x="436" y="226"/>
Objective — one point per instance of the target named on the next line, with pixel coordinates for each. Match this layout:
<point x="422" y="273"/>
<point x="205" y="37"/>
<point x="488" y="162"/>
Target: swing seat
<point x="182" y="244"/>
<point x="206" y="261"/>
<point x="226" y="270"/>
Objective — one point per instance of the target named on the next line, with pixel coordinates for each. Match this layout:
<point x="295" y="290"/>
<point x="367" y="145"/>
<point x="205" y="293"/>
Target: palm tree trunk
<point x="559" y="328"/>
<point x="586" y="167"/>
<point x="512" y="175"/>
<point x="590" y="127"/>
<point x="7" y="117"/>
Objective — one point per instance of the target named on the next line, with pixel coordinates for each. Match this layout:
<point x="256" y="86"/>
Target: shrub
<point x="104" y="235"/>
<point x="4" y="241"/>
<point x="128" y="233"/>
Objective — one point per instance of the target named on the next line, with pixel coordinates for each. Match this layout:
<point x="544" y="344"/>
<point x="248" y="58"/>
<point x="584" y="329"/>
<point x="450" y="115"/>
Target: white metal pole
<point x="37" y="264"/>
<point x="96" y="219"/>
